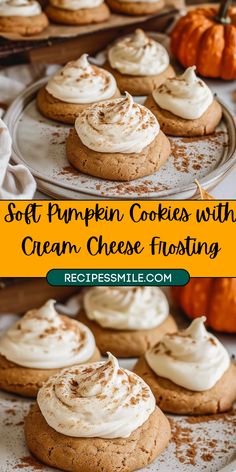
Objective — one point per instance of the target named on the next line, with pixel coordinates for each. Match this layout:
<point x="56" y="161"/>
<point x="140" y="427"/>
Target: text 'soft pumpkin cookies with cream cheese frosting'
<point x="39" y="345"/>
<point x="73" y="88"/>
<point x="190" y="372"/>
<point x="138" y="63"/>
<point x="78" y="12"/>
<point x="185" y="106"/>
<point x="23" y="17"/>
<point x="93" y="417"/>
<point x="126" y="320"/>
<point x="117" y="140"/>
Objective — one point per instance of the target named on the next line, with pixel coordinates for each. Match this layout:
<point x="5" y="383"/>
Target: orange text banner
<point x="198" y="236"/>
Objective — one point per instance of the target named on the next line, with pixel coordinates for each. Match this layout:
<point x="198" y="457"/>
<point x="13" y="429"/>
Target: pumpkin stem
<point x="222" y="15"/>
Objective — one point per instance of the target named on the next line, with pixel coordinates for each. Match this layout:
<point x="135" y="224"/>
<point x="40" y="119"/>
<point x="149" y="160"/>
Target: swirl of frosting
<point x="193" y="359"/>
<point x="96" y="400"/>
<point x="43" y="339"/>
<point x="126" y="308"/>
<point x="74" y="5"/>
<point x="186" y="96"/>
<point x="118" y="125"/>
<point x="138" y="55"/>
<point x="20" y="8"/>
<point x="81" y="82"/>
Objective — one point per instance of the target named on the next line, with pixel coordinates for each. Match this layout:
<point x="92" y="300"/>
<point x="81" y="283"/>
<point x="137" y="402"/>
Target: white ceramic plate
<point x="40" y="144"/>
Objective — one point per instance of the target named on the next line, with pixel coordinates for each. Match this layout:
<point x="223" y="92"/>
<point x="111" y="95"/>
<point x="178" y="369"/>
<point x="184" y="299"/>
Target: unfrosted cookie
<point x="139" y="85"/>
<point x="56" y="109"/>
<point x="117" y="166"/>
<point x="25" y="26"/>
<point x="135" y="8"/>
<point x="174" y="125"/>
<point x="96" y="454"/>
<point x="85" y="16"/>
<point x="25" y="381"/>
<point x="173" y="398"/>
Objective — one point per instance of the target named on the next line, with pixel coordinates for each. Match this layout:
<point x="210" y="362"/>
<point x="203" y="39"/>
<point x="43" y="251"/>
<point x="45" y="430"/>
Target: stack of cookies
<point x="91" y="413"/>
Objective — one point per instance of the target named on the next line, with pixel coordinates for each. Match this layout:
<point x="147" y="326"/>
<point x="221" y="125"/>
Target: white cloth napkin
<point x="16" y="181"/>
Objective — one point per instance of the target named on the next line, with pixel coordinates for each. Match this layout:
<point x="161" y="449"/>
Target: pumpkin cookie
<point x="39" y="345"/>
<point x="24" y="17"/>
<point x="78" y="12"/>
<point x="190" y="372"/>
<point x="184" y="106"/>
<point x="126" y="320"/>
<point x="75" y="87"/>
<point x="138" y="63"/>
<point x="108" y="143"/>
<point x="136" y="7"/>
<point x="78" y="427"/>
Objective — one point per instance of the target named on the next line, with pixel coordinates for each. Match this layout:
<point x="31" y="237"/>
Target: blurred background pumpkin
<point x="213" y="297"/>
<point x="206" y="37"/>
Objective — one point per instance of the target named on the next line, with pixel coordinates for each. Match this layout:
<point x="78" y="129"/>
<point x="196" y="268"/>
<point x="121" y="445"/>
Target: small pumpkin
<point x="206" y="37"/>
<point x="213" y="297"/>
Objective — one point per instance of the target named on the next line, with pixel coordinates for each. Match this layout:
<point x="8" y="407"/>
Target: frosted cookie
<point x="185" y="106"/>
<point x="75" y="87"/>
<point x="126" y="320"/>
<point x="23" y="17"/>
<point x="136" y="7"/>
<point x="39" y="345"/>
<point x="117" y="140"/>
<point x="190" y="372"/>
<point x="138" y="63"/>
<point x="89" y="417"/>
<point x="78" y="12"/>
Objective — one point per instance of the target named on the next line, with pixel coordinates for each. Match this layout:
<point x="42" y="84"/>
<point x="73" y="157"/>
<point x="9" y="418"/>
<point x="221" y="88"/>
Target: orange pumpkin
<point x="206" y="38"/>
<point x="213" y="297"/>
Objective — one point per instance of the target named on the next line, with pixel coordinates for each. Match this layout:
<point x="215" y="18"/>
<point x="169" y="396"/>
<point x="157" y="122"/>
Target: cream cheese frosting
<point x="129" y="308"/>
<point x="96" y="400"/>
<point x="186" y="96"/>
<point x="74" y="5"/>
<point x="118" y="125"/>
<point x="139" y="55"/>
<point x="81" y="82"/>
<point x="20" y="8"/>
<point x="43" y="339"/>
<point x="193" y="359"/>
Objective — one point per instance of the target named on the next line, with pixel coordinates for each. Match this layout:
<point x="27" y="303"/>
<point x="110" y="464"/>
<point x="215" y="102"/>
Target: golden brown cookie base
<point x="55" y="109"/>
<point x="135" y="8"/>
<point x="117" y="166"/>
<point x="26" y="381"/>
<point x="25" y="26"/>
<point x="173" y="125"/>
<point x="86" y="16"/>
<point x="96" y="454"/>
<point x="175" y="399"/>
<point x="139" y="85"/>
<point x="124" y="343"/>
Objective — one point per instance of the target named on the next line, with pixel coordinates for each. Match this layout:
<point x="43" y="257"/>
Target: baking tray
<point x="40" y="144"/>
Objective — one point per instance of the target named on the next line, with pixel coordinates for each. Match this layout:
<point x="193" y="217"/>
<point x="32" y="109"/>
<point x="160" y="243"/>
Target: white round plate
<point x="40" y="144"/>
